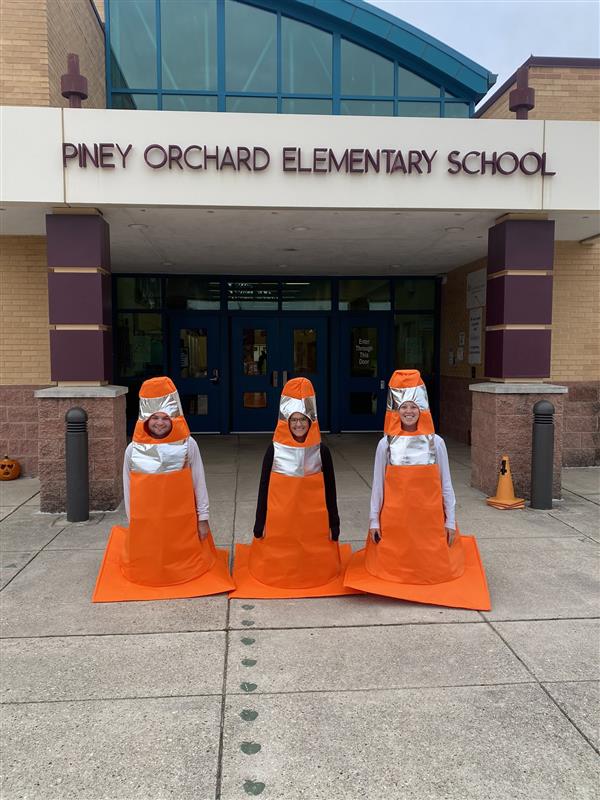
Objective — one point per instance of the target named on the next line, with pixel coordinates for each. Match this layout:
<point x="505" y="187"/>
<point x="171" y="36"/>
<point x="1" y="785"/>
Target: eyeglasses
<point x="299" y="422"/>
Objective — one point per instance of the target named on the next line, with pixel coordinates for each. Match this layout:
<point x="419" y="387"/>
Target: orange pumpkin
<point x="9" y="469"/>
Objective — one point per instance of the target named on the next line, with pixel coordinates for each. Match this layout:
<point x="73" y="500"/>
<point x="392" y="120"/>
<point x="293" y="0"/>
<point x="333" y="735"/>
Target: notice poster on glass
<point x="475" y="329"/>
<point x="476" y="288"/>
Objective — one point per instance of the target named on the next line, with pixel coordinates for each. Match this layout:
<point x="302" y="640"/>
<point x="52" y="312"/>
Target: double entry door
<point x="266" y="351"/>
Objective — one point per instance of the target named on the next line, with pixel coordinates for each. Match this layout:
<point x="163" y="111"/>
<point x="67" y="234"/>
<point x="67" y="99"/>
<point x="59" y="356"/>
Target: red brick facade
<point x="19" y="436"/>
<point x="107" y="442"/>
<point x="502" y="425"/>
<point x="581" y="443"/>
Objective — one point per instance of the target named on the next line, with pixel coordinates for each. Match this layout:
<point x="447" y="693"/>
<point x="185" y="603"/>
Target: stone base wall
<point x="581" y="442"/>
<point x="19" y="434"/>
<point x="107" y="442"/>
<point x="456" y="403"/>
<point x="502" y="425"/>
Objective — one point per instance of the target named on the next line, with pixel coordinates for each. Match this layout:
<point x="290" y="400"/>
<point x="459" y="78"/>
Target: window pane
<point x="411" y="85"/>
<point x="142" y="292"/>
<point x="418" y="109"/>
<point x="190" y="102"/>
<point x="132" y="102"/>
<point x="193" y="352"/>
<point x="456" y="110"/>
<point x="307" y="58"/>
<point x="364" y="295"/>
<point x="365" y="72"/>
<point x="306" y="296"/>
<point x="414" y="295"/>
<point x="291" y="105"/>
<point x="139" y="345"/>
<point x="363" y="352"/>
<point x="414" y="335"/>
<point x="189" y="44"/>
<point x="252" y="105"/>
<point x="242" y="295"/>
<point x="305" y="351"/>
<point x="194" y="405"/>
<point x="255" y="400"/>
<point x="367" y="108"/>
<point x="363" y="403"/>
<point x="254" y="351"/>
<point x="192" y="293"/>
<point x="250" y="48"/>
<point x="133" y="44"/>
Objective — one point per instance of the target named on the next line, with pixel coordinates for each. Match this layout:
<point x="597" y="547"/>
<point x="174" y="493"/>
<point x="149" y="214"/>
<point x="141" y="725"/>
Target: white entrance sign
<point x="475" y="330"/>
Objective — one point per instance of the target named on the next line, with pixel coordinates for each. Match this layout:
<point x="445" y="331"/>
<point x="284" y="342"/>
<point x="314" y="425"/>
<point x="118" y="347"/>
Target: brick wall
<point x="571" y="93"/>
<point x="455" y="397"/>
<point x="24" y="344"/>
<point x="23" y="53"/>
<point x="19" y="426"/>
<point x="73" y="27"/>
<point x="35" y="37"/>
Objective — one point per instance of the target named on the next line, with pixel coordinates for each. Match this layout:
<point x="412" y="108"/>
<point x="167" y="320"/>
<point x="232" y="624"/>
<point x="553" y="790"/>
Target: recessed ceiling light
<point x="167" y="263"/>
<point x="395" y="266"/>
<point x="299" y="228"/>
<point x="586" y="217"/>
<point x="209" y="211"/>
<point x="290" y="250"/>
<point x="138" y="226"/>
<point x="453" y="229"/>
<point x="282" y="266"/>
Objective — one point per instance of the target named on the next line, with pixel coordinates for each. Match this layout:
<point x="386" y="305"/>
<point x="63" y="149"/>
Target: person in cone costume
<point x="414" y="550"/>
<point x="295" y="550"/>
<point x="167" y="551"/>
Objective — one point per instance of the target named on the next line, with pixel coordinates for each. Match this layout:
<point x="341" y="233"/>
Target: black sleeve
<point x="330" y="492"/>
<point x="263" y="491"/>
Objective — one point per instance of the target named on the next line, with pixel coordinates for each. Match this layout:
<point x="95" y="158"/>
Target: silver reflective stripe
<point x="412" y="450"/>
<point x="417" y="394"/>
<point x="168" y="404"/>
<point x="296" y="462"/>
<point x="158" y="458"/>
<point x="291" y="405"/>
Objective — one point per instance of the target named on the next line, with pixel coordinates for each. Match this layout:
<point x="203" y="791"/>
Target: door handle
<point x="284" y="376"/>
<point x="274" y="378"/>
<point x="382" y="384"/>
<point x="215" y="376"/>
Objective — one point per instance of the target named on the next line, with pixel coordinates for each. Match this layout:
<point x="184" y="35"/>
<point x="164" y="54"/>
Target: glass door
<point x="195" y="368"/>
<point x="304" y="343"/>
<point x="256" y="373"/>
<point x="364" y="363"/>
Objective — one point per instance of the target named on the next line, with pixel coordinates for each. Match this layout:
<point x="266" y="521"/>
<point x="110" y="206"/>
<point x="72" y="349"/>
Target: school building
<point x="235" y="192"/>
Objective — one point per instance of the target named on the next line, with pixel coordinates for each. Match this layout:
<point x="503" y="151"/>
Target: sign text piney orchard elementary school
<point x="317" y="160"/>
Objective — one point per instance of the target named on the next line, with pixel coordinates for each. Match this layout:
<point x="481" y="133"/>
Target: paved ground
<point x="358" y="698"/>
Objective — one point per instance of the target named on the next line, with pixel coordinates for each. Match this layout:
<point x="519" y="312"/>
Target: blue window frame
<point x="272" y="56"/>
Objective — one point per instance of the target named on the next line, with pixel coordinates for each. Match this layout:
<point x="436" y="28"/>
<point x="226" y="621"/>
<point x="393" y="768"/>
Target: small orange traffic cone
<point x="505" y="491"/>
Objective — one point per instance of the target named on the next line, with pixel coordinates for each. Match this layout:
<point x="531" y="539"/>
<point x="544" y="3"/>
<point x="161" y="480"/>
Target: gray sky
<point x="501" y="34"/>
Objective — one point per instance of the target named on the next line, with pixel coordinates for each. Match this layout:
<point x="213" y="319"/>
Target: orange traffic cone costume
<point x="160" y="555"/>
<point x="413" y="560"/>
<point x="295" y="556"/>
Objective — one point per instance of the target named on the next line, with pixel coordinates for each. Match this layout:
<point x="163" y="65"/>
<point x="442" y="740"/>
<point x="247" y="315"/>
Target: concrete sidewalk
<point x="355" y="698"/>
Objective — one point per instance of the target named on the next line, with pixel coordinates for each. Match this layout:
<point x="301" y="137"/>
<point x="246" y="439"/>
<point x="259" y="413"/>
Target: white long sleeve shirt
<point x="194" y="460"/>
<point x="382" y="460"/>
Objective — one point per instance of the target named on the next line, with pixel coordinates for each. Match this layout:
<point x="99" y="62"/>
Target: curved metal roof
<point x="391" y="35"/>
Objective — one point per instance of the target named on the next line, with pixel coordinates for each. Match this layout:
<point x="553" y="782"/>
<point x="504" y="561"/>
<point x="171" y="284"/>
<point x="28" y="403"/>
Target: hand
<point x="260" y="535"/>
<point x="203" y="529"/>
<point x="375" y="535"/>
<point x="333" y="537"/>
<point x="450" y="536"/>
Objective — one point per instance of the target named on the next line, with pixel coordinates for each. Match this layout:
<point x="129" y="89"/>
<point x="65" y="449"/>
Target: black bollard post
<point x="542" y="455"/>
<point x="76" y="452"/>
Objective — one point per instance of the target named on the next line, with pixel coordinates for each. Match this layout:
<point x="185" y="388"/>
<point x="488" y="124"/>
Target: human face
<point x="299" y="425"/>
<point x="409" y="416"/>
<point x="159" y="425"/>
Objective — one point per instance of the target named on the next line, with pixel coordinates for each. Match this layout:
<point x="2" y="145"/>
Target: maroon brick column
<point x="519" y="300"/>
<point x="517" y="354"/>
<point x="79" y="296"/>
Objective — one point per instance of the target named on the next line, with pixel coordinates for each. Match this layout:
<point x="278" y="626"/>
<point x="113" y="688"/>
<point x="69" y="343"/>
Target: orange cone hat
<point x="413" y="561"/>
<point x="295" y="557"/>
<point x="160" y="555"/>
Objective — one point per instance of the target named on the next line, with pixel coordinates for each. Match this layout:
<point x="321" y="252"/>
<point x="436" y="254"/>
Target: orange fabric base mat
<point x="468" y="591"/>
<point x="248" y="587"/>
<point x="112" y="586"/>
